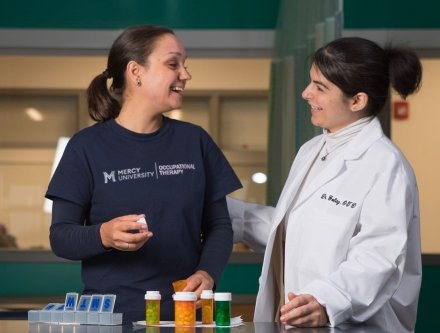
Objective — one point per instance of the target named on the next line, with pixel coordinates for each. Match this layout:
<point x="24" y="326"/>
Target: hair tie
<point x="106" y="74"/>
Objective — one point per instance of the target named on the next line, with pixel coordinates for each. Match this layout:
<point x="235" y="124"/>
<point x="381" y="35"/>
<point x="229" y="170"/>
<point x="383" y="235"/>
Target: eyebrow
<point x="319" y="83"/>
<point x="177" y="54"/>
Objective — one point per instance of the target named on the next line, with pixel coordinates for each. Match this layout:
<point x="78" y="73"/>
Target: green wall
<point x="115" y="14"/>
<point x="392" y="14"/>
<point x="200" y="14"/>
<point x="23" y="279"/>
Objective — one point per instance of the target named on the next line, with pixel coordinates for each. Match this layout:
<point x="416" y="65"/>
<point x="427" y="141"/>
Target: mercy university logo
<point x="136" y="173"/>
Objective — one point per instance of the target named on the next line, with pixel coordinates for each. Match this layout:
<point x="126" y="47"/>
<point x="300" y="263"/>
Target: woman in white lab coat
<point x="348" y="215"/>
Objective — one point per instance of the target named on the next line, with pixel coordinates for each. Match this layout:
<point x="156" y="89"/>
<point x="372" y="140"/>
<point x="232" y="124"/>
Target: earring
<point x="138" y="81"/>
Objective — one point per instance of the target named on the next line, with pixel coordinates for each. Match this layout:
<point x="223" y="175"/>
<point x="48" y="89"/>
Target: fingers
<point x="303" y="311"/>
<point x="125" y="233"/>
<point x="135" y="242"/>
<point x="199" y="281"/>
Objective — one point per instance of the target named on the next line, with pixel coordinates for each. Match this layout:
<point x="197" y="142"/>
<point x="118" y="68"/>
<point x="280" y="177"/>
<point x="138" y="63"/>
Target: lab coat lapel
<point x="332" y="170"/>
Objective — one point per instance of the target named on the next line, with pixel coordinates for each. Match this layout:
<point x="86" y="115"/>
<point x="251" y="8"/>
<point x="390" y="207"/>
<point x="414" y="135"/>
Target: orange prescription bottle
<point x="152" y="307"/>
<point x="185" y="308"/>
<point x="207" y="298"/>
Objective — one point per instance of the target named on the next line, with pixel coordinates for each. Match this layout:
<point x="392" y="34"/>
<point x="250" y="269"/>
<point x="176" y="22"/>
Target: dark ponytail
<point x="135" y="43"/>
<point x="405" y="70"/>
<point x="102" y="105"/>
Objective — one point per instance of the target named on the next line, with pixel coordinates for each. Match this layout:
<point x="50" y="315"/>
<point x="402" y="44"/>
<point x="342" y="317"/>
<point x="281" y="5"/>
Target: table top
<point x="22" y="326"/>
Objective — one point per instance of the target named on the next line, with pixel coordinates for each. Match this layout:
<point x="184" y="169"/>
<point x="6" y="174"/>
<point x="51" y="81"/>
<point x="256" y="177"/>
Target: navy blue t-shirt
<point x="170" y="176"/>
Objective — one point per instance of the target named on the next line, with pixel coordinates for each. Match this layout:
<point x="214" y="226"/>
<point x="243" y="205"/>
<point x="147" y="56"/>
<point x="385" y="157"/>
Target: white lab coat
<point x="353" y="239"/>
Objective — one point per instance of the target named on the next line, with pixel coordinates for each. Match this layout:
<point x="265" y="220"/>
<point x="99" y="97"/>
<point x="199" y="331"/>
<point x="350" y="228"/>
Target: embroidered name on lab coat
<point x="337" y="201"/>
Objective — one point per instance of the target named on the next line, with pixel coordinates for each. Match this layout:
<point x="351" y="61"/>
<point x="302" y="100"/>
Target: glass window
<point x="30" y="125"/>
<point x="194" y="110"/>
<point x="36" y="121"/>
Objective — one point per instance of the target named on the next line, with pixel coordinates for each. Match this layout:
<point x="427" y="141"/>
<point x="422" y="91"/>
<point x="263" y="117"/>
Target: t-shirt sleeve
<point x="72" y="179"/>
<point x="220" y="177"/>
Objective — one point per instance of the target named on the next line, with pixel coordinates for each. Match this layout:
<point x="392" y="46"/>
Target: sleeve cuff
<point x="337" y="305"/>
<point x="236" y="213"/>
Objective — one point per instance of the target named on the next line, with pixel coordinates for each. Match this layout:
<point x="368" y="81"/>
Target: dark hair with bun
<point x="359" y="65"/>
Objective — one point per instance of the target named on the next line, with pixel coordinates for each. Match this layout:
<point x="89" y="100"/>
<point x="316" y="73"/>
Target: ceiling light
<point x="259" y="178"/>
<point x="34" y="114"/>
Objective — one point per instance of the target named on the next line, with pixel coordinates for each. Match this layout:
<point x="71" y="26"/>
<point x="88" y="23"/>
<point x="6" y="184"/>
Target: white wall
<point x="419" y="139"/>
<point x="65" y="72"/>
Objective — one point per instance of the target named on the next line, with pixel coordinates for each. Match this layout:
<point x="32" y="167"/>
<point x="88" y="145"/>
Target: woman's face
<point x="330" y="109"/>
<point x="165" y="74"/>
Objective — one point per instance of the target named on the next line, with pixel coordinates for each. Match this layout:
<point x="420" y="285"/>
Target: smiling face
<point x="330" y="108"/>
<point x="164" y="76"/>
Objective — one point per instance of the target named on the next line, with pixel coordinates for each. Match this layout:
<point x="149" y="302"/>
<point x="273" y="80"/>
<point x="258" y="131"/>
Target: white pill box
<point x="88" y="309"/>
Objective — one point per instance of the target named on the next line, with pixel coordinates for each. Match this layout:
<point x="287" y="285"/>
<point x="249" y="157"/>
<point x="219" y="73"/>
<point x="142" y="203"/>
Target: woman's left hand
<point x="199" y="281"/>
<point x="303" y="311"/>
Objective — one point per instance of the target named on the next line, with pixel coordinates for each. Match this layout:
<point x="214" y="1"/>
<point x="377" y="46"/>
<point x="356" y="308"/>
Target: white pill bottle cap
<point x="152" y="295"/>
<point x="185" y="296"/>
<point x="222" y="296"/>
<point x="207" y="294"/>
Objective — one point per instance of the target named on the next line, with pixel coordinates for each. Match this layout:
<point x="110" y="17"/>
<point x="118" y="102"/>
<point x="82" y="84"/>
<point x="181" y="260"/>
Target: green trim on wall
<point x="427" y="317"/>
<point x="240" y="278"/>
<point x="391" y="14"/>
<point x="55" y="279"/>
<point x="199" y="14"/>
<point x="118" y="14"/>
<point x="24" y="279"/>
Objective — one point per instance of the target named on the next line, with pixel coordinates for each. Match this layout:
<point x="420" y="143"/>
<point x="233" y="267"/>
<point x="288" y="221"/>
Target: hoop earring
<point x="138" y="82"/>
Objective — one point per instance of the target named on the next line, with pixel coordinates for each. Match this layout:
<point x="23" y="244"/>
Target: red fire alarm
<point x="401" y="110"/>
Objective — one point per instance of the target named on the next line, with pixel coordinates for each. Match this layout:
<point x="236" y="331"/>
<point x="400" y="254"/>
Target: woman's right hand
<point x="125" y="233"/>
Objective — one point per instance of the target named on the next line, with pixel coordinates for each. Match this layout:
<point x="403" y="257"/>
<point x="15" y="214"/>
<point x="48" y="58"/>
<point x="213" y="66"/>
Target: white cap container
<point x="207" y="294"/>
<point x="152" y="295"/>
<point x="222" y="296"/>
<point x="185" y="296"/>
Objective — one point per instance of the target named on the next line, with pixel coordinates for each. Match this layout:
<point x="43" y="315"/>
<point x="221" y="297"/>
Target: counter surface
<point x="22" y="326"/>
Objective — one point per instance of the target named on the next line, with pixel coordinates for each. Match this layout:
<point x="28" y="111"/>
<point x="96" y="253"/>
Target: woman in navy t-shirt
<point x="135" y="163"/>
